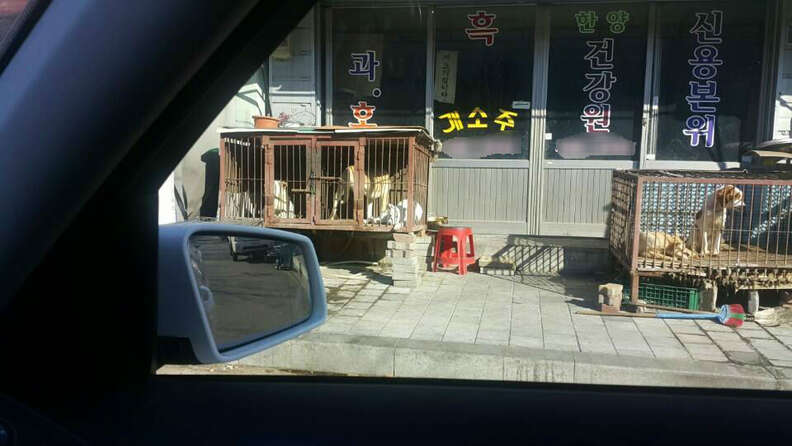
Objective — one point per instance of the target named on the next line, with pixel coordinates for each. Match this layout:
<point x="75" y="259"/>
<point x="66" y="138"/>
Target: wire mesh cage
<point x="733" y="226"/>
<point x="326" y="179"/>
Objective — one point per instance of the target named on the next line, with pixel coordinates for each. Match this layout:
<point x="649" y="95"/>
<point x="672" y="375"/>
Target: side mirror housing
<point x="228" y="291"/>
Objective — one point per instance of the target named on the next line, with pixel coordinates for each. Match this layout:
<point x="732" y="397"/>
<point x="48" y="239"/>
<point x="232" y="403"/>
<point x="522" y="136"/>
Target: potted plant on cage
<point x="265" y="122"/>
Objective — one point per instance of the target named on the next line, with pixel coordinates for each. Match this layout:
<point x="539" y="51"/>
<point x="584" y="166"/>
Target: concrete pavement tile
<point x="694" y="339"/>
<point x="745" y="357"/>
<point x="772" y="353"/>
<point x="526" y="341"/>
<point x="330" y="327"/>
<point x="366" y="298"/>
<point x="704" y="352"/>
<point x="500" y="337"/>
<point x="755" y="334"/>
<point x="427" y="334"/>
<point x="780" y="331"/>
<point x="377" y="316"/>
<point x="558" y="331"/>
<point x="769" y="345"/>
<point x="364" y="330"/>
<point x="670" y="353"/>
<point x="713" y="326"/>
<point x="735" y="346"/>
<point x="343" y="319"/>
<point x="693" y="330"/>
<point x="724" y="336"/>
<point x="357" y="305"/>
<point x="597" y="348"/>
<point x="393" y="297"/>
<point x="460" y="337"/>
<point x="529" y="299"/>
<point x="785" y="339"/>
<point x="781" y="362"/>
<point x="635" y="352"/>
<point x="396" y="330"/>
<point x="554" y="338"/>
<point x="663" y="342"/>
<point x="562" y="347"/>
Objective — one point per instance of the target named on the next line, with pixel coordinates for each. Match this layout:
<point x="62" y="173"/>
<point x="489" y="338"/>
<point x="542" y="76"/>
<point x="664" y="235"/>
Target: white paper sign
<point x="445" y="77"/>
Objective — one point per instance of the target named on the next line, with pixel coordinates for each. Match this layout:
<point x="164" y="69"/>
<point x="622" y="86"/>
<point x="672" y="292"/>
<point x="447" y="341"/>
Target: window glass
<point x="379" y="66"/>
<point x="709" y="79"/>
<point x="482" y="81"/>
<point x="595" y="81"/>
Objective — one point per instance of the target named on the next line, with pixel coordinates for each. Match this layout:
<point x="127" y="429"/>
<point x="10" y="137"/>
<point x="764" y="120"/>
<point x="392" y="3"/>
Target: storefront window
<point x="379" y="66"/>
<point x="482" y="81"/>
<point x="709" y="79"/>
<point x="596" y="81"/>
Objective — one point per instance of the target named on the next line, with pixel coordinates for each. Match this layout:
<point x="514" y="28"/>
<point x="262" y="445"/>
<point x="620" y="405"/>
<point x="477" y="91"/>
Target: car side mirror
<point x="228" y="291"/>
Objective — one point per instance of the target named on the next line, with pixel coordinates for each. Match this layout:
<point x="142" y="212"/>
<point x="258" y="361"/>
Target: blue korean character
<point x="705" y="62"/>
<point x="697" y="126"/>
<point x="703" y="92"/>
<point x="364" y="64"/>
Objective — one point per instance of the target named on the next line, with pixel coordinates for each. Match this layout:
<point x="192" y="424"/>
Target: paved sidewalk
<point x="518" y="319"/>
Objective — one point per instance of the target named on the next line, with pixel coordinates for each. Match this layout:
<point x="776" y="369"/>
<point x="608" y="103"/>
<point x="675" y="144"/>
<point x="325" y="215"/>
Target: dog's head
<point x="729" y="197"/>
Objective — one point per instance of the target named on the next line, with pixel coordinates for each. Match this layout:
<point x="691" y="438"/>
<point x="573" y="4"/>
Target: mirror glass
<point x="250" y="287"/>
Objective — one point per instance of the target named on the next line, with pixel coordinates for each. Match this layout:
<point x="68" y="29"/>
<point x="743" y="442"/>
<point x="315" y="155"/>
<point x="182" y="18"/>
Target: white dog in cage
<point x="705" y="238"/>
<point x="396" y="215"/>
<point x="284" y="207"/>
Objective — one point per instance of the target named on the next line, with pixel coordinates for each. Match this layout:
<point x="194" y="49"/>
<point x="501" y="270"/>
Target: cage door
<point x="336" y="178"/>
<point x="289" y="193"/>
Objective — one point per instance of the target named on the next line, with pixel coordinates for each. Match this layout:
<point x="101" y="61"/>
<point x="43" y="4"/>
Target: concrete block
<point x="605" y="308"/>
<point x="392" y="244"/>
<point x="399" y="253"/>
<point x="611" y="294"/>
<point x="404" y="261"/>
<point x="404" y="238"/>
<point x="709" y="297"/>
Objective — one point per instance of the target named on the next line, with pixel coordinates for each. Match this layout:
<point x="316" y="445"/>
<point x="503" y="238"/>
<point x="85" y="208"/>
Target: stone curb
<point x="394" y="357"/>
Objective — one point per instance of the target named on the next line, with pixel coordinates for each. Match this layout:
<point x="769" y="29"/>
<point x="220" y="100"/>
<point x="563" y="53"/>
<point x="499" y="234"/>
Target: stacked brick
<point x="409" y="255"/>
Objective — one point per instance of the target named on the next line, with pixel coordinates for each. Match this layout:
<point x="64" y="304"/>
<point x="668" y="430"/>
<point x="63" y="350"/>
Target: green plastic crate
<point x="666" y="295"/>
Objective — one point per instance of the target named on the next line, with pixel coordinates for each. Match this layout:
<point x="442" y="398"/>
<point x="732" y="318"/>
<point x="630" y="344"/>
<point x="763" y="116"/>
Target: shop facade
<point x="536" y="104"/>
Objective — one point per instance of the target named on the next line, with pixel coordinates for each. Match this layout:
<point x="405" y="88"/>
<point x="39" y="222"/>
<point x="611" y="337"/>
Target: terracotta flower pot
<point x="265" y="122"/>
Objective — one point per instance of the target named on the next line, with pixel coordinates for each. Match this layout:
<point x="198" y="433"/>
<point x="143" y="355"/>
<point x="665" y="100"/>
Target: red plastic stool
<point x="450" y="244"/>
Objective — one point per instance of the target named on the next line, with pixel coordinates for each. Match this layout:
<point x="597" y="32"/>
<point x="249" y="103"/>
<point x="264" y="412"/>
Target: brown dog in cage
<point x="374" y="188"/>
<point x="662" y="246"/>
<point x="705" y="238"/>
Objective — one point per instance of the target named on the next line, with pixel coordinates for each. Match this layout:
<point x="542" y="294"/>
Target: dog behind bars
<point x="375" y="189"/>
<point x="705" y="238"/>
<point x="663" y="246"/>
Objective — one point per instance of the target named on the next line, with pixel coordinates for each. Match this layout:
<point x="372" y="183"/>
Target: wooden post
<point x="269" y="177"/>
<point x="634" y="286"/>
<point x="410" y="184"/>
<point x="222" y="195"/>
<point x="360" y="177"/>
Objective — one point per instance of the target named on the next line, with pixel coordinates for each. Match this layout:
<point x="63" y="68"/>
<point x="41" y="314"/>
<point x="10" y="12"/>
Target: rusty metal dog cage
<point x="731" y="228"/>
<point x="374" y="179"/>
